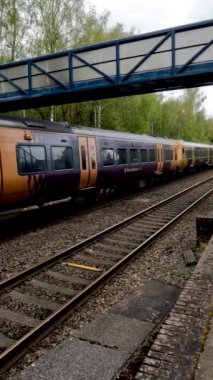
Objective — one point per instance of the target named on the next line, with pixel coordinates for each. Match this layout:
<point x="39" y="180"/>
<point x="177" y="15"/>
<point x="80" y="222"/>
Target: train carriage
<point x="124" y="158"/>
<point x="44" y="161"/>
<point x="194" y="156"/>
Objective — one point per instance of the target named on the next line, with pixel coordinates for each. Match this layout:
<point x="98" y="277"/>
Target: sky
<point x="152" y="15"/>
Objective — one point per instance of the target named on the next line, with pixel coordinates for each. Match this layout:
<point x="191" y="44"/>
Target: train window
<point x="133" y="156"/>
<point x="121" y="156"/>
<point x="92" y="156"/>
<point x="201" y="153"/>
<point x="188" y="153"/>
<point x="168" y="155"/>
<point x="152" y="155"/>
<point x="206" y="153"/>
<point x="83" y="158"/>
<point x="31" y="158"/>
<point x="108" y="156"/>
<point x="144" y="155"/>
<point x="61" y="157"/>
<point x="198" y="153"/>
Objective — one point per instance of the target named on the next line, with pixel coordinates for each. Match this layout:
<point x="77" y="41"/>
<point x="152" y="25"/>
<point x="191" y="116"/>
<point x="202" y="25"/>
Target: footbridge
<point x="163" y="60"/>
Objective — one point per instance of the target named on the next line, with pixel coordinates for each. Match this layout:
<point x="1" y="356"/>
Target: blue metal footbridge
<point x="168" y="59"/>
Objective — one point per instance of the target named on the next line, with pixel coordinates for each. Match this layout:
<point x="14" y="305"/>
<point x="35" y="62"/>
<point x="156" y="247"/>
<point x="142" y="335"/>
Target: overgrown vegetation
<point x="35" y="27"/>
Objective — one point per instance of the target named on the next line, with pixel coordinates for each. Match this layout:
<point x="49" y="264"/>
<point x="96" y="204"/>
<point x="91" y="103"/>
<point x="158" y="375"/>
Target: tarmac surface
<point x="183" y="347"/>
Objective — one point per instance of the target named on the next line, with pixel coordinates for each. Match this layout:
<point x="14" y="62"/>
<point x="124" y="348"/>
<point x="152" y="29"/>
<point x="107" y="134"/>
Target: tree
<point x="14" y="29"/>
<point x="64" y="24"/>
<point x="39" y="27"/>
<point x="54" y="22"/>
<point x="95" y="29"/>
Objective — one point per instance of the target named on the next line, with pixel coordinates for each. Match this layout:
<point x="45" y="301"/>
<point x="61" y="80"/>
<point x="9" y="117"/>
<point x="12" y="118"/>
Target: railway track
<point x="55" y="286"/>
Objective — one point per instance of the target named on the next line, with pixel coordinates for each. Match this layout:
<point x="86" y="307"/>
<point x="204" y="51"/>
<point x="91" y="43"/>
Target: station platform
<point x="181" y="349"/>
<point x="204" y="369"/>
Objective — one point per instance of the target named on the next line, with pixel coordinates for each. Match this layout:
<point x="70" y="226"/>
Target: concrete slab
<point x="76" y="360"/>
<point x="116" y="331"/>
<point x="151" y="302"/>
<point x="100" y="349"/>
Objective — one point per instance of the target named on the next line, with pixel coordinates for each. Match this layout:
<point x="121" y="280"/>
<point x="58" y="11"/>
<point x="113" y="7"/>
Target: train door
<point x="92" y="162"/>
<point x="159" y="159"/>
<point x="174" y="158"/>
<point x="193" y="157"/>
<point x="88" y="162"/>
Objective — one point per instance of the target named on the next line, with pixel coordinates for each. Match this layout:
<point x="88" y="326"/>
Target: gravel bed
<point x="13" y="330"/>
<point x="161" y="261"/>
<point x="44" y="277"/>
<point x="42" y="293"/>
<point x="6" y="302"/>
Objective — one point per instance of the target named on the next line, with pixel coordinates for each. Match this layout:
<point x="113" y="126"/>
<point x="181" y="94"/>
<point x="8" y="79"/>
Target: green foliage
<point x="15" y="21"/>
<point x="184" y="118"/>
<point x="37" y="27"/>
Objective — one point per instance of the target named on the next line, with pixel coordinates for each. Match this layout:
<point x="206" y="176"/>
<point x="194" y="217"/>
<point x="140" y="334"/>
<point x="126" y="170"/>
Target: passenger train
<point x="42" y="161"/>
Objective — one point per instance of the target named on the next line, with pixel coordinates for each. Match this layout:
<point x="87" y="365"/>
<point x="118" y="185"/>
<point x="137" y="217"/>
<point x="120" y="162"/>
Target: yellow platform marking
<point x="86" y="267"/>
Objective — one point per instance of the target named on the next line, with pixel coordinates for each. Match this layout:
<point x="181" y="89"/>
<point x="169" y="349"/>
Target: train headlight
<point x="27" y="135"/>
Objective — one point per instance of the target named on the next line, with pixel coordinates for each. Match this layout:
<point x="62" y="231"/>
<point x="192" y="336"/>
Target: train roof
<point x="191" y="144"/>
<point x="64" y="127"/>
<point x="14" y="122"/>
<point x="120" y="135"/>
<point x="133" y="136"/>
